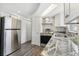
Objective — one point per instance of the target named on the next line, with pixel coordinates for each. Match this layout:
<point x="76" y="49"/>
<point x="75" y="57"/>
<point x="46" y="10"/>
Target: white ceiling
<point x="43" y="7"/>
<point x="23" y="9"/>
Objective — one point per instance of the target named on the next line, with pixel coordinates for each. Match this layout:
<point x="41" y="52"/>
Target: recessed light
<point x="18" y="11"/>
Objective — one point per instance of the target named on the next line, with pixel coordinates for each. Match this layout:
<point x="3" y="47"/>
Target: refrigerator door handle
<point x="4" y="43"/>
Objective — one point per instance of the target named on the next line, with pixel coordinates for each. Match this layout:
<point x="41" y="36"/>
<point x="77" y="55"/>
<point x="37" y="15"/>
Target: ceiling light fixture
<point x="49" y="9"/>
<point x="18" y="11"/>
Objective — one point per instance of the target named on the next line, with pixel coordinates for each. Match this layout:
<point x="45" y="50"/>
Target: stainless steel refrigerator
<point x="11" y="35"/>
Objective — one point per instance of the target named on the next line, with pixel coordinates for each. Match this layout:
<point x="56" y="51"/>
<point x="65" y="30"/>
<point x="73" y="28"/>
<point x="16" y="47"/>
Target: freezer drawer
<point x="13" y="41"/>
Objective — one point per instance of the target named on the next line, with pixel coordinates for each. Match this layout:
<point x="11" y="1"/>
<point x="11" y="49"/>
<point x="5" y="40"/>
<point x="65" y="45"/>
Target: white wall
<point x="25" y="31"/>
<point x="74" y="8"/>
<point x="36" y="31"/>
<point x="74" y="11"/>
<point x="57" y="20"/>
<point x="29" y="30"/>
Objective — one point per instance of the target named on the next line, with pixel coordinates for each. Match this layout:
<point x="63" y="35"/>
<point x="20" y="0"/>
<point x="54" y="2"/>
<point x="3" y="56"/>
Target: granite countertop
<point x="75" y="40"/>
<point x="52" y="43"/>
<point x="46" y="34"/>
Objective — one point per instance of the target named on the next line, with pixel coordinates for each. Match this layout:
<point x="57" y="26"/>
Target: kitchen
<point x="39" y="24"/>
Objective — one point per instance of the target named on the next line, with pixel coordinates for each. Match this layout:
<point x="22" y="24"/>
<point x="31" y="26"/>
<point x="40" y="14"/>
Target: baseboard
<point x="43" y="45"/>
<point x="27" y="42"/>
